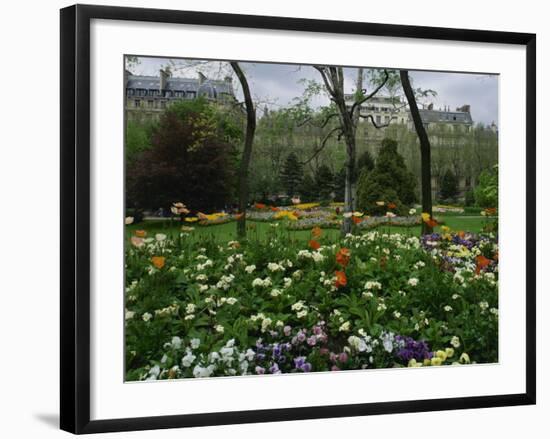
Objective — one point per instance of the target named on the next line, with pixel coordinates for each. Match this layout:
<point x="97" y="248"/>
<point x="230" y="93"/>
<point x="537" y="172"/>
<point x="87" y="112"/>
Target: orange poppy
<point x="141" y="233"/>
<point x="314" y="244"/>
<point x="158" y="261"/>
<point x="481" y="263"/>
<point x="259" y="206"/>
<point x="341" y="279"/>
<point x="356" y="220"/>
<point x="316" y="232"/>
<point x="431" y="223"/>
<point x="343" y="256"/>
<point x="392" y="205"/>
<point x="274" y="209"/>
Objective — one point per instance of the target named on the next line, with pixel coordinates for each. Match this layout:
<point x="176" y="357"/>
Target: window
<point x="386" y="119"/>
<point x="162" y="104"/>
<point x="129" y="92"/>
<point x="150" y="103"/>
<point x="137" y="103"/>
<point x="378" y="119"/>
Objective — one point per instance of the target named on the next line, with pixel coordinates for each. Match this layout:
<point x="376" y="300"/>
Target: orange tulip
<point x="481" y="263"/>
<point x="314" y="244"/>
<point x="259" y="206"/>
<point x="274" y="209"/>
<point x="392" y="205"/>
<point x="343" y="256"/>
<point x="316" y="232"/>
<point x="356" y="220"/>
<point x="141" y="233"/>
<point x="158" y="261"/>
<point x="461" y="234"/>
<point x="341" y="279"/>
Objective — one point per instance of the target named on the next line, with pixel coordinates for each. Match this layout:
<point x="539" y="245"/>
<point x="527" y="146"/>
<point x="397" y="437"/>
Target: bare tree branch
<point x="370" y="95"/>
<point x="323" y="144"/>
<point x="384" y="125"/>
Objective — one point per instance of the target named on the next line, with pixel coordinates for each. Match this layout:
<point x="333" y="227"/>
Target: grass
<point x="257" y="229"/>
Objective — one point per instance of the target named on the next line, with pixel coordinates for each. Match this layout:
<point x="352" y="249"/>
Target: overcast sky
<point x="277" y="85"/>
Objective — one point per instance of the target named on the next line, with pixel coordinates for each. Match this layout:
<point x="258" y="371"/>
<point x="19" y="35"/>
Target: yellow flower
<point x="425" y="216"/>
<point x="191" y="219"/>
<point x="450" y="352"/>
<point x="358" y="214"/>
<point x="414" y="363"/>
<point x="464" y="358"/>
<point x="441" y="354"/>
<point x="380" y="203"/>
<point x="436" y="361"/>
<point x="427" y="362"/>
<point x="445" y="229"/>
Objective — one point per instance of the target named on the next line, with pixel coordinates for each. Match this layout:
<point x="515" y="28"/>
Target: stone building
<point x="148" y="96"/>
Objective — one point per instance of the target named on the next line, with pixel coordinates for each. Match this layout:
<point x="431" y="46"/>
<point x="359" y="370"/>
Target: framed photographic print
<point x="283" y="218"/>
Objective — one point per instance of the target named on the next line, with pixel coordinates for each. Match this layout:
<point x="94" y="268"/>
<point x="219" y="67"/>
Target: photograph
<point x="294" y="218"/>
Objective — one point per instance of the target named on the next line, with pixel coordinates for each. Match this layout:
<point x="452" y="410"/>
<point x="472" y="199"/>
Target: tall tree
<point x="333" y="79"/>
<point x="247" y="151"/>
<point x="425" y="149"/>
<point x="325" y="182"/>
<point x="292" y="174"/>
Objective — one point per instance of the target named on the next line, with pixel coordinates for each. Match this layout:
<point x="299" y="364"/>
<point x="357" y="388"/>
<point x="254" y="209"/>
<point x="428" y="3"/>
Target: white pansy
<point x="146" y="316"/>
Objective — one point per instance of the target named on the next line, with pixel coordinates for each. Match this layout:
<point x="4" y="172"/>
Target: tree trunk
<point x="425" y="150"/>
<point x="359" y="92"/>
<point x="247" y="151"/>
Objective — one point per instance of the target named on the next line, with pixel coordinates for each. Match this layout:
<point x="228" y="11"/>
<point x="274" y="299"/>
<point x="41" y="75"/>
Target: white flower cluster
<point x="273" y="267"/>
<point x="316" y="256"/>
<point x="300" y="308"/>
<point x="258" y="282"/>
<point x="225" y="282"/>
<point x="168" y="311"/>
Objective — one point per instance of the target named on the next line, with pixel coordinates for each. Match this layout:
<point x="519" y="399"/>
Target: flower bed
<point x="372" y="300"/>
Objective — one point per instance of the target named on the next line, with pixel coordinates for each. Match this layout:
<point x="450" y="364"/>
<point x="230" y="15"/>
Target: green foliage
<point x="449" y="186"/>
<point x="340" y="185"/>
<point x="389" y="181"/>
<point x="291" y="174"/>
<point x="138" y="138"/>
<point x="469" y="198"/>
<point x="308" y="189"/>
<point x="486" y="192"/>
<point x="191" y="160"/>
<point x="325" y="182"/>
<point x="365" y="161"/>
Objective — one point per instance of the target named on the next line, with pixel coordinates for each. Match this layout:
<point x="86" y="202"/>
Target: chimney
<point x="465" y="108"/>
<point x="163" y="79"/>
<point x="202" y="78"/>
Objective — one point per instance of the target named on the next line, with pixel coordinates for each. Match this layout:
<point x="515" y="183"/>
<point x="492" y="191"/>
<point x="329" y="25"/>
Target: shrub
<point x="486" y="192"/>
<point x="390" y="181"/>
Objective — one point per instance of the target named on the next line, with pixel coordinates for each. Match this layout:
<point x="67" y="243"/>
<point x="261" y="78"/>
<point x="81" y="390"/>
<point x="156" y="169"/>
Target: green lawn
<point x="256" y="229"/>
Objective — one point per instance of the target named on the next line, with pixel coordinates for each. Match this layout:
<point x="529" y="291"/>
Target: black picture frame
<point x="75" y="217"/>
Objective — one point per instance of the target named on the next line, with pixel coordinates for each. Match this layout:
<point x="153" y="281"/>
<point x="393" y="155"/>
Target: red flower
<point x="341" y="279"/>
<point x="314" y="244"/>
<point x="274" y="209"/>
<point x="343" y="256"/>
<point x="481" y="263"/>
<point x="259" y="206"/>
<point x="356" y="220"/>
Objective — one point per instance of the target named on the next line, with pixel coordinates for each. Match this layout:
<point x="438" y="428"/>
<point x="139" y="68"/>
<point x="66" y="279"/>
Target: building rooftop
<point x="208" y="87"/>
<point x="439" y="116"/>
